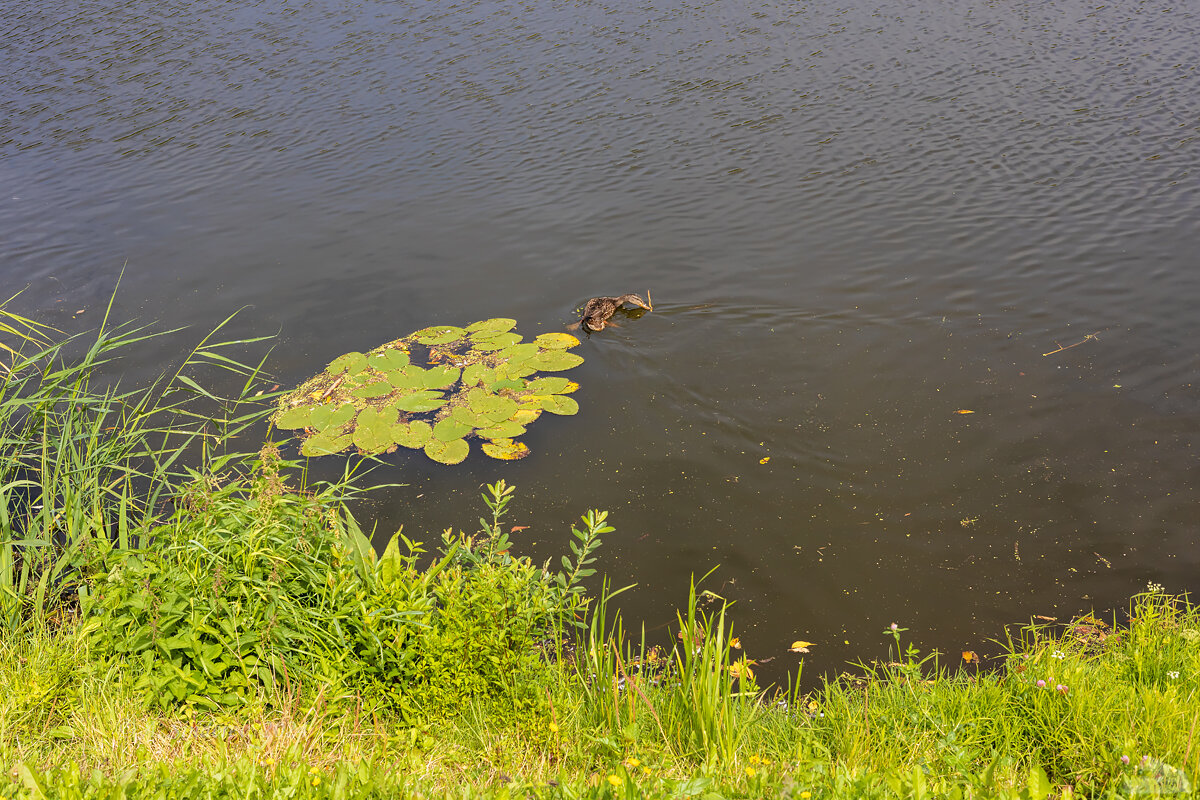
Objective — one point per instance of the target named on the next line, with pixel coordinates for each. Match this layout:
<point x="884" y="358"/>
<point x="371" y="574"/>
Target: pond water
<point x="857" y="221"/>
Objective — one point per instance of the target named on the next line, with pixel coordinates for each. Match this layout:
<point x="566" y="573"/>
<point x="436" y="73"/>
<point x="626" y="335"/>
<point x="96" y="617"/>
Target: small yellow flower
<point x="645" y="770"/>
<point x="750" y="773"/>
<point x="805" y="795"/>
<point x="553" y="727"/>
<point x="754" y="759"/>
<point x="316" y="780"/>
<point x="614" y="780"/>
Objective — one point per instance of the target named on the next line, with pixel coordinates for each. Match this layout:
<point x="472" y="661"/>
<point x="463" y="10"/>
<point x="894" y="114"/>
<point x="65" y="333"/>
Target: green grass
<point x="227" y="630"/>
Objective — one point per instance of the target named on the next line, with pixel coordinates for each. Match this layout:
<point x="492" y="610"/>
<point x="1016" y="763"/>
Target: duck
<point x="599" y="310"/>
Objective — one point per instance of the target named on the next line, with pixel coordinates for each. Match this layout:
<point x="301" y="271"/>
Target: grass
<point x="227" y="630"/>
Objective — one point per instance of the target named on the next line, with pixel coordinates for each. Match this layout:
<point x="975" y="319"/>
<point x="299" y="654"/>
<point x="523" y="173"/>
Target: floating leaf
<point x="388" y="360"/>
<point x="420" y="401"/>
<point x="326" y="417"/>
<point x="452" y="452"/>
<point x="466" y="416"/>
<point x="800" y="647"/>
<point x="502" y="430"/>
<point x="497" y="341"/>
<point x="553" y="384"/>
<point x="449" y="429"/>
<point x="554" y="361"/>
<point x="373" y="430"/>
<point x="293" y="418"/>
<point x="378" y="389"/>
<point x="516" y="384"/>
<point x="498" y="325"/>
<point x="970" y="655"/>
<point x="438" y="334"/>
<point x="764" y="459"/>
<point x="556" y="341"/>
<point x="407" y="379"/>
<point x="505" y="449"/>
<point x="525" y="415"/>
<point x="492" y="407"/>
<point x="478" y="373"/>
<point x="350" y="362"/>
<point x="964" y="411"/>
<point x="735" y="643"/>
<point x="322" y="445"/>
<point x="441" y="377"/>
<point x="554" y="403"/>
<point x="413" y="435"/>
<point x="518" y="353"/>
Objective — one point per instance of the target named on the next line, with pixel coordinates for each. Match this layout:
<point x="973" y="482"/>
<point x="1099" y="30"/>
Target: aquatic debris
<point x="434" y="390"/>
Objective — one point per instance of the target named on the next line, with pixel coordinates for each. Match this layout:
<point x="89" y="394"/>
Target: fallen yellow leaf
<point x="800" y="647"/>
<point x="735" y="643"/>
<point x="764" y="460"/>
<point x="964" y="411"/>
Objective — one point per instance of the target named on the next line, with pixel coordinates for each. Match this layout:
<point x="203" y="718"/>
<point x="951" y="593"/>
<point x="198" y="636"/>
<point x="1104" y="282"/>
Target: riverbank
<point x="227" y="630"/>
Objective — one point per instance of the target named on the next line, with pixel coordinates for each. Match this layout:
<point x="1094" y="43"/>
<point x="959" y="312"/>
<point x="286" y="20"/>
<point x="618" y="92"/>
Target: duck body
<point x="599" y="310"/>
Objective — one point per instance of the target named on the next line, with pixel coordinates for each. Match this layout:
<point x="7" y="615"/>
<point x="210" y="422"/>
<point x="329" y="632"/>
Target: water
<point x="855" y="222"/>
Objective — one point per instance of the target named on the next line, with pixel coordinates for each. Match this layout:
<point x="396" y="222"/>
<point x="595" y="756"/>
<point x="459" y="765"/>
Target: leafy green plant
<point x="477" y="382"/>
<point x="85" y="463"/>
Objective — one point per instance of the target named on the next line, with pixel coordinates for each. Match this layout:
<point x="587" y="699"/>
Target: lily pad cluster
<point x="434" y="390"/>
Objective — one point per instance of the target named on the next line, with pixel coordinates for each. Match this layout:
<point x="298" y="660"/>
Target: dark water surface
<point x="856" y="219"/>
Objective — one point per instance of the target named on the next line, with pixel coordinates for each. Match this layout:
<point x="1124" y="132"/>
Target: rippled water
<point x="856" y="220"/>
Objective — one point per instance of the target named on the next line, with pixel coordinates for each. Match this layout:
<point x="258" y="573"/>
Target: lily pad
<point x="506" y="429"/>
<point x="439" y="334"/>
<point x="551" y="384"/>
<point x="441" y="377"/>
<point x="478" y="373"/>
<point x="505" y="449"/>
<point x="560" y="404"/>
<point x="299" y="417"/>
<point x="466" y="416"/>
<point x="526" y="415"/>
<point x="420" y="401"/>
<point x="322" y="445"/>
<point x="414" y="435"/>
<point x="327" y="417"/>
<point x="373" y="430"/>
<point x="349" y="362"/>
<point x="449" y="429"/>
<point x="452" y="452"/>
<point x="554" y="361"/>
<point x="497" y="341"/>
<point x="388" y="360"/>
<point x="498" y="325"/>
<point x="493" y="408"/>
<point x="377" y="389"/>
<point x="556" y="341"/>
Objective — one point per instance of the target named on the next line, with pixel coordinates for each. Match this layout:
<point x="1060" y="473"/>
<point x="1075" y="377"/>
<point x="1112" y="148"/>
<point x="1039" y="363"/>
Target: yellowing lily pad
<point x="556" y="341"/>
<point x="505" y="449"/>
<point x="452" y="452"/>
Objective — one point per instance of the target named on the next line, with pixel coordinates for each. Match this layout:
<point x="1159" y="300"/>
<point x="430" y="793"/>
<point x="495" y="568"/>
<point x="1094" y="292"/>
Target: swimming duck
<point x="598" y="310"/>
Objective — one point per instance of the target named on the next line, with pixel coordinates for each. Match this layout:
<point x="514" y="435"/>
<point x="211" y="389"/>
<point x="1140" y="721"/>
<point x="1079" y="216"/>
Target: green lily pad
<point x="449" y="429"/>
<point x="407" y="379"/>
<point x="452" y="452"/>
<point x="420" y="401"/>
<point x="515" y="384"/>
<point x="552" y="384"/>
<point x="518" y="352"/>
<point x="329" y="416"/>
<point x="388" y="360"/>
<point x="505" y="449"/>
<point x="514" y="371"/>
<point x="441" y="377"/>
<point x="506" y="429"/>
<point x="554" y="361"/>
<point x="373" y="430"/>
<point x="349" y="362"/>
<point x="466" y="416"/>
<point x="478" y="373"/>
<point x="293" y="418"/>
<point x="492" y="407"/>
<point x="556" y="341"/>
<point x="498" y="325"/>
<point x="414" y="435"/>
<point x="322" y="445"/>
<point x="496" y="341"/>
<point x="439" y="334"/>
<point x="560" y="404"/>
<point x="377" y="389"/>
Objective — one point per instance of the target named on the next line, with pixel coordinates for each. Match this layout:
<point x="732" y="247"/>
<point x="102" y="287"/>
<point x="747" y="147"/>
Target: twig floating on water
<point x="1095" y="335"/>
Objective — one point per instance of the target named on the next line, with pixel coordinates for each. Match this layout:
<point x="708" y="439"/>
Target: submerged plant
<point x="479" y="381"/>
